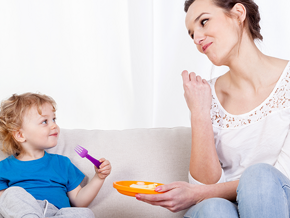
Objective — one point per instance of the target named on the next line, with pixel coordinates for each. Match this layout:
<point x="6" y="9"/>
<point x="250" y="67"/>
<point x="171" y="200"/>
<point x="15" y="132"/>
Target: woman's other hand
<point x="197" y="93"/>
<point x="177" y="196"/>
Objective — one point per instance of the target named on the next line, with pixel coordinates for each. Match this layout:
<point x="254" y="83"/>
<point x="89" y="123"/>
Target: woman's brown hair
<point x="252" y="17"/>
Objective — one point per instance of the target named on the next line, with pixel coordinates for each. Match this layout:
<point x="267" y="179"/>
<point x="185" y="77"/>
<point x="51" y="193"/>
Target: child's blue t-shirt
<point x="48" y="178"/>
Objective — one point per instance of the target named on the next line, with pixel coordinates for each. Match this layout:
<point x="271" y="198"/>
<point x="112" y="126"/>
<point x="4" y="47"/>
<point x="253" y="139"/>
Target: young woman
<point x="240" y="156"/>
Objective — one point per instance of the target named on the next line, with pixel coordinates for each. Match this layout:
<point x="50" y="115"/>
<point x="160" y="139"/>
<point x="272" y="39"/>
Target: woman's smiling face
<point x="214" y="33"/>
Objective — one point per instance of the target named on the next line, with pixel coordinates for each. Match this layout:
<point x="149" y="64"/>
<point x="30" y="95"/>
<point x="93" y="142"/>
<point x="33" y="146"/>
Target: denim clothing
<point x="263" y="191"/>
<point x="213" y="208"/>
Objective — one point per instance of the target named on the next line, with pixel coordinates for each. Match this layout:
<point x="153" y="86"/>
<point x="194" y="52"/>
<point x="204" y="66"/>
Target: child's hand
<point x="105" y="168"/>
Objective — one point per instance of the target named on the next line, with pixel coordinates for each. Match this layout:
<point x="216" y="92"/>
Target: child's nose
<point x="53" y="126"/>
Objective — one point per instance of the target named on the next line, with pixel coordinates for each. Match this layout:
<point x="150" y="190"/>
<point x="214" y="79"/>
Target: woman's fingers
<point x="192" y="77"/>
<point x="174" y="198"/>
<point x="159" y="197"/>
<point x="165" y="204"/>
<point x="197" y="92"/>
<point x="166" y="187"/>
<point x="185" y="76"/>
<point x="152" y="199"/>
<point x="198" y="79"/>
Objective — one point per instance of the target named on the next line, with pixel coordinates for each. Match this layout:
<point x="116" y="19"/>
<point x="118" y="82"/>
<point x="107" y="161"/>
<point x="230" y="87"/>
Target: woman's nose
<point x="198" y="38"/>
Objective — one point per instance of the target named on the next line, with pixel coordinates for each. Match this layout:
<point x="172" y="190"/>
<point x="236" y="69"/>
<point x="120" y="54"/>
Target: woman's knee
<point x="260" y="171"/>
<point x="260" y="187"/>
<point x="213" y="207"/>
<point x="258" y="177"/>
<point x="260" y="181"/>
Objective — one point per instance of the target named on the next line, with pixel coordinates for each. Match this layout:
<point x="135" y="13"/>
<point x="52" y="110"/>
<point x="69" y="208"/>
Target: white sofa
<point x="156" y="155"/>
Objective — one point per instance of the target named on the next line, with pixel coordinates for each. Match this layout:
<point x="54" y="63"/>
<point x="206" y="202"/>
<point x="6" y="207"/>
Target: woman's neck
<point x="250" y="68"/>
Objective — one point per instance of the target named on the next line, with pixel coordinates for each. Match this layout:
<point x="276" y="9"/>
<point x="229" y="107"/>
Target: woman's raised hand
<point x="197" y="93"/>
<point x="177" y="196"/>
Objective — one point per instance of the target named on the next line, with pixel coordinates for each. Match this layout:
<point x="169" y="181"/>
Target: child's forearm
<point x="88" y="193"/>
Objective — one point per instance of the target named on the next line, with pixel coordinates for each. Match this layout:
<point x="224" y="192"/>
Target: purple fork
<point x="84" y="153"/>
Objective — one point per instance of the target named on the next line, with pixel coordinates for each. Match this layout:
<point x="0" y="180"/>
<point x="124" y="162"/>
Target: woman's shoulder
<point x="279" y="61"/>
<point x="218" y="87"/>
<point x="278" y="65"/>
<point x="212" y="82"/>
<point x="219" y="81"/>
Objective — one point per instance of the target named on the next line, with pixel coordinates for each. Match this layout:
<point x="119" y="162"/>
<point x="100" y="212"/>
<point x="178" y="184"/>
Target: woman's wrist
<point x="201" y="120"/>
<point x="199" y="193"/>
<point x="199" y="115"/>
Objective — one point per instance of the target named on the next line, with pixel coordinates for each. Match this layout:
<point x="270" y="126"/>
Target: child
<point x="34" y="183"/>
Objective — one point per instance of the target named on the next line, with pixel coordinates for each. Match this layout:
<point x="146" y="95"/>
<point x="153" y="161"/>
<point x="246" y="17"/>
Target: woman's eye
<point x="204" y="21"/>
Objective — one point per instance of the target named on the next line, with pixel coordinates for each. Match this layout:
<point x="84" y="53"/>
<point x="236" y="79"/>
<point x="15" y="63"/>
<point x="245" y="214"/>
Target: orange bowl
<point x="124" y="188"/>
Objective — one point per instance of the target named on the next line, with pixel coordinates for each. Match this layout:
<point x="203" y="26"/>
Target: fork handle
<point x="94" y="161"/>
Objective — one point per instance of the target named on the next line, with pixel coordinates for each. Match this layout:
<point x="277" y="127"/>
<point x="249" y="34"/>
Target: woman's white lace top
<point x="259" y="136"/>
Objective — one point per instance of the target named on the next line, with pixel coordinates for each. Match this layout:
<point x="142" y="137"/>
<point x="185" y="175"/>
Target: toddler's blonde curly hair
<point x="12" y="112"/>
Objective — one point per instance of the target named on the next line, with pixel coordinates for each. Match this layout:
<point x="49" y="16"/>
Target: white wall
<point x="112" y="64"/>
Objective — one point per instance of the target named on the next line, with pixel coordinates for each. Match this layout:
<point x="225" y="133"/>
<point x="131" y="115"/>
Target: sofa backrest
<point x="156" y="155"/>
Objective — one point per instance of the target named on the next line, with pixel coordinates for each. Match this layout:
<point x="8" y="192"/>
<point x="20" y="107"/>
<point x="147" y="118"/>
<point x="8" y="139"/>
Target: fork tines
<point x="79" y="150"/>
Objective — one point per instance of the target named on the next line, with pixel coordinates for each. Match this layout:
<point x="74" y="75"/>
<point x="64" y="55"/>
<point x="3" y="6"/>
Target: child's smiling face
<point x="40" y="131"/>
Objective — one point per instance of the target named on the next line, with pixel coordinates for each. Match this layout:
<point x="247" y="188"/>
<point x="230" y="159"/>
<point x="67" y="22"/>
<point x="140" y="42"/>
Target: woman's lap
<point x="263" y="191"/>
<point x="214" y="208"/>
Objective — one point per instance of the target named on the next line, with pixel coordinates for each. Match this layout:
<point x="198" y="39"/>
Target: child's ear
<point x="18" y="135"/>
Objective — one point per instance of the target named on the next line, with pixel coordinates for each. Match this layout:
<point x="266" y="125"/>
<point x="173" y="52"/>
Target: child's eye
<point x="53" y="120"/>
<point x="44" y="122"/>
<point x="203" y="22"/>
